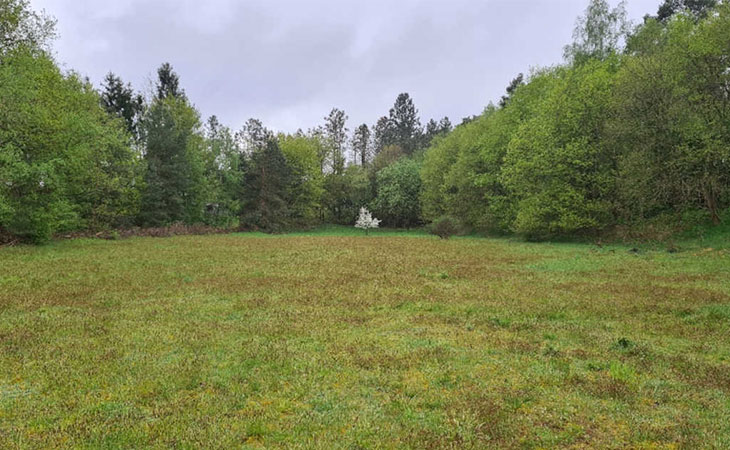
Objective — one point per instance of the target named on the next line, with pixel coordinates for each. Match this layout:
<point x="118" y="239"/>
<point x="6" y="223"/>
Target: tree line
<point x="633" y="126"/>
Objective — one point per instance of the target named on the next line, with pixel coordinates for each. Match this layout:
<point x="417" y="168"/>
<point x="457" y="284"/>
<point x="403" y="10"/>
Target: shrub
<point x="445" y="227"/>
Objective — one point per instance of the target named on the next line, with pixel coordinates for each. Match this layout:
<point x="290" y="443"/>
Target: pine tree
<point x="266" y="189"/>
<point x="697" y="8"/>
<point x="405" y="124"/>
<point x="168" y="83"/>
<point x="361" y="144"/>
<point x="514" y="84"/>
<point x="336" y="133"/>
<point x="384" y="134"/>
<point x="175" y="180"/>
<point x="121" y="101"/>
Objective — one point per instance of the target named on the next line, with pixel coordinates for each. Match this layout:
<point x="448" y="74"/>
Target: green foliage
<point x="335" y="133"/>
<point x="302" y="156"/>
<point x="698" y="8"/>
<point x="223" y="163"/>
<point x="64" y="164"/>
<point x="361" y="145"/>
<point x="444" y="227"/>
<point x="398" y="194"/>
<point x="268" y="181"/>
<point x="606" y="140"/>
<point x="23" y="28"/>
<point x="175" y="185"/>
<point x="556" y="168"/>
<point x="121" y="101"/>
<point x="599" y="33"/>
<point x="671" y="122"/>
<point x="344" y="195"/>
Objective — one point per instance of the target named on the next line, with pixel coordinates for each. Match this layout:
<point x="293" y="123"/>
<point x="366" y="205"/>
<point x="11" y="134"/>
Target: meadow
<point x="334" y="339"/>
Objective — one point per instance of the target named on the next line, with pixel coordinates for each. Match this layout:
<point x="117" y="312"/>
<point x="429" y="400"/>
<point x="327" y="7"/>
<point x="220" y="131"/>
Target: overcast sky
<point x="289" y="62"/>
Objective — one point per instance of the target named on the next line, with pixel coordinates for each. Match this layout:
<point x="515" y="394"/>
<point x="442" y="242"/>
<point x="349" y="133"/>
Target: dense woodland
<point x="633" y="127"/>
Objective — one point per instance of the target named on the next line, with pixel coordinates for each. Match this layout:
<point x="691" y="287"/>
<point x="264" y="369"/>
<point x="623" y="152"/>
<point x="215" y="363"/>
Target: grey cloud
<point x="289" y="62"/>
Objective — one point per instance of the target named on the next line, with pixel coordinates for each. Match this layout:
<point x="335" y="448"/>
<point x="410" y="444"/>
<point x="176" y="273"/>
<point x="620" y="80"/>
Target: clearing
<point x="332" y="340"/>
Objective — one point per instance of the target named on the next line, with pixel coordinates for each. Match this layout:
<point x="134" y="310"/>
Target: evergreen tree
<point x="121" y="101"/>
<point x="434" y="129"/>
<point x="168" y="83"/>
<point x="175" y="184"/>
<point x="384" y="134"/>
<point x="514" y="84"/>
<point x="406" y="126"/>
<point x="361" y="144"/>
<point x="266" y="189"/>
<point x="698" y="8"/>
<point x="445" y="126"/>
<point x="336" y="133"/>
<point x="253" y="136"/>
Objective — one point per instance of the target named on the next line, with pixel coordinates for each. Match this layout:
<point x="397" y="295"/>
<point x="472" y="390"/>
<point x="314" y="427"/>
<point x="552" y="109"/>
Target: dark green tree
<point x="168" y="83"/>
<point x="336" y="134"/>
<point x="361" y="144"/>
<point x="175" y="183"/>
<point x="405" y="124"/>
<point x="698" y="8"/>
<point x="253" y="136"/>
<point x="384" y="134"/>
<point x="267" y="186"/>
<point x="120" y="101"/>
<point x="445" y="126"/>
<point x="434" y="129"/>
<point x="518" y="81"/>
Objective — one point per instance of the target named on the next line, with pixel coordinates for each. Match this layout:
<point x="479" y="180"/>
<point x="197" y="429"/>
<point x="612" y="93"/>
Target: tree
<point x="121" y="101"/>
<point x="361" y="144"/>
<point x="366" y="221"/>
<point x="344" y="194"/>
<point x="514" y="84"/>
<point x="599" y="33"/>
<point x="671" y="123"/>
<point x="698" y="8"/>
<point x="384" y="134"/>
<point x="267" y="187"/>
<point x="175" y="182"/>
<point x="336" y="133"/>
<point x="22" y="27"/>
<point x="253" y="136"/>
<point x="435" y="129"/>
<point x="405" y="124"/>
<point x="306" y="190"/>
<point x="398" y="193"/>
<point x="445" y="126"/>
<point x="223" y="163"/>
<point x="64" y="165"/>
<point x="558" y="168"/>
<point x="168" y="83"/>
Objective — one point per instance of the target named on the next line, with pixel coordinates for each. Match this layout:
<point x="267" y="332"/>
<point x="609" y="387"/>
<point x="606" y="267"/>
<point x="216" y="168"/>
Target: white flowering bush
<point x="366" y="221"/>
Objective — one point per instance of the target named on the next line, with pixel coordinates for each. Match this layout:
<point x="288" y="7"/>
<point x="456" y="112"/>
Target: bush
<point x="445" y="227"/>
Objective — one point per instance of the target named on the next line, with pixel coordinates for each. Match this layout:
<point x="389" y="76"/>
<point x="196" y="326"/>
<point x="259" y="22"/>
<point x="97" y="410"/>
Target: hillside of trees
<point x="633" y="127"/>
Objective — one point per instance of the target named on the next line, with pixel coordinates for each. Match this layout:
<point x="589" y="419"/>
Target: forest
<point x="631" y="129"/>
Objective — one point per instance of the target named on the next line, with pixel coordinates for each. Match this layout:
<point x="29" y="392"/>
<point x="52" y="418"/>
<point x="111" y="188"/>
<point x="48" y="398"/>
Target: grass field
<point x="335" y="340"/>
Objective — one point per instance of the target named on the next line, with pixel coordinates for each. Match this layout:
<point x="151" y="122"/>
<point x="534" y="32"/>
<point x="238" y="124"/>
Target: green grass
<point x="331" y="339"/>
